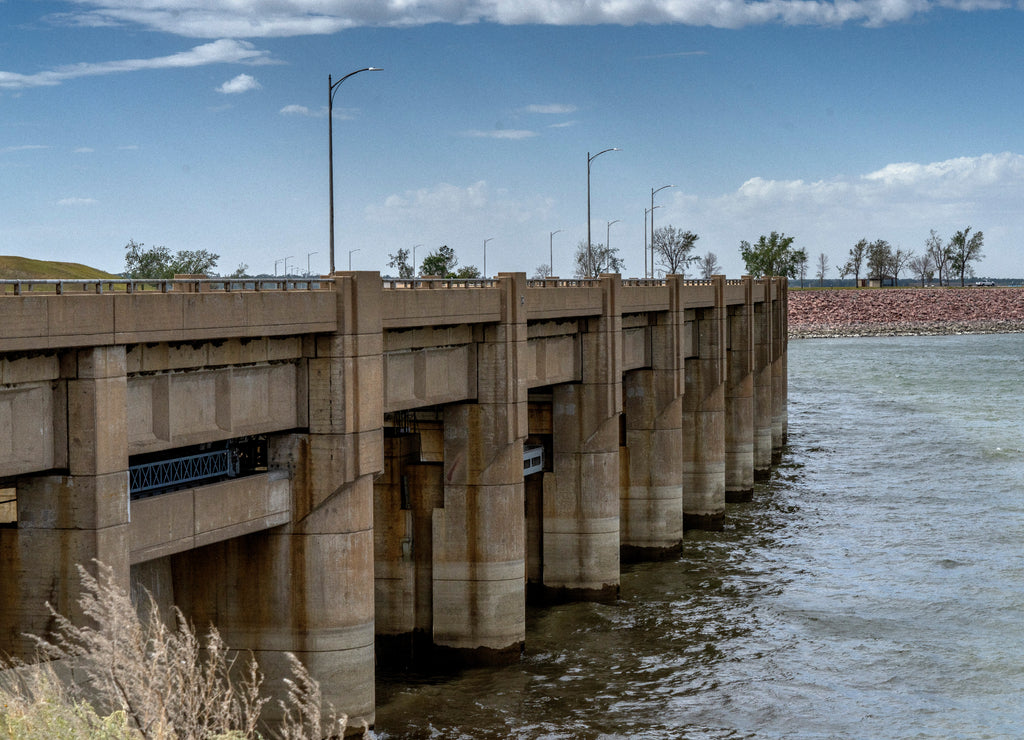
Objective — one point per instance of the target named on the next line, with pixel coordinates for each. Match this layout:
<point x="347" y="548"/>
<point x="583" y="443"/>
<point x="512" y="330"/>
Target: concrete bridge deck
<point x="388" y="511"/>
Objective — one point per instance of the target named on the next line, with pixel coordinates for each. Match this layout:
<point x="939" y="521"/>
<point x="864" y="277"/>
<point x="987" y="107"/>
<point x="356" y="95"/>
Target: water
<point x="874" y="588"/>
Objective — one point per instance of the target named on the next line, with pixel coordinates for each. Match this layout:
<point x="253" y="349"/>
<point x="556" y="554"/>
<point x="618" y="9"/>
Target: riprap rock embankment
<point x="904" y="311"/>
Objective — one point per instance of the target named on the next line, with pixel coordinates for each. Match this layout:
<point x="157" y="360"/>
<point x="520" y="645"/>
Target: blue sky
<point x="203" y="125"/>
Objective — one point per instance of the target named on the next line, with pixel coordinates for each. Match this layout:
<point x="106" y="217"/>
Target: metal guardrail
<point x="150" y="477"/>
<point x="188" y="285"/>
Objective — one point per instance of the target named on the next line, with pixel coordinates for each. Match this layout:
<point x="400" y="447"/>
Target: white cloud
<point x="279" y="18"/>
<point x="296" y="110"/>
<point x="553" y="109"/>
<point x="22" y="148"/>
<point x="222" y="51"/>
<point x="501" y="133"/>
<point x="900" y="202"/>
<point x="450" y="206"/>
<point x="239" y="84"/>
<point x="76" y="202"/>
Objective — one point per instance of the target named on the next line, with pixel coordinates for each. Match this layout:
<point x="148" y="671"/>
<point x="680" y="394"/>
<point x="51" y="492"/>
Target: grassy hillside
<point x="23" y="268"/>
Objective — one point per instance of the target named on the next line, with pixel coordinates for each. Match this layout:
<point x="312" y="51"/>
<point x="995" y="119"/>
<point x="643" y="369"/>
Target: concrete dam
<point x="349" y="468"/>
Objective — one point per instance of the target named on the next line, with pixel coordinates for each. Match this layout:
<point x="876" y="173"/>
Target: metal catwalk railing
<point x="150" y="477"/>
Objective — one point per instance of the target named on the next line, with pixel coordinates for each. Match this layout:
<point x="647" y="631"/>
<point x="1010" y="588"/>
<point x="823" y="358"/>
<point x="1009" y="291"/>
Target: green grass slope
<point x="23" y="268"/>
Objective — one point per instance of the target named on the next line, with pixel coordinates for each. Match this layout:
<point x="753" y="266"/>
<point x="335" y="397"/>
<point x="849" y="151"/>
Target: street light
<point x="608" y="237"/>
<point x="276" y="263"/>
<point x="290" y="256"/>
<point x="414" y="259"/>
<point x="551" y="252"/>
<point x="590" y="250"/>
<point x="308" y="255"/>
<point x="350" y="258"/>
<point x="488" y="239"/>
<point x="646" y="211"/>
<point x="653" y="191"/>
<point x="332" y="88"/>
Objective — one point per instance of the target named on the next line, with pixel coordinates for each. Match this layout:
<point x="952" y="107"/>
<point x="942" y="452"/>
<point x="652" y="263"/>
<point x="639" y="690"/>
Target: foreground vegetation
<point x="130" y="677"/>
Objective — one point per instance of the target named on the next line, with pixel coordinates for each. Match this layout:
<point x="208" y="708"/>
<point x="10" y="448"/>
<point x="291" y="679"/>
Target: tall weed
<point x="122" y="676"/>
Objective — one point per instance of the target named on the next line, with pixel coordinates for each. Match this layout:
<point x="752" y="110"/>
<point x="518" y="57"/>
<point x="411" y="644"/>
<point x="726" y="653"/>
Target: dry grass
<point x="25" y="268"/>
<point x="132" y="677"/>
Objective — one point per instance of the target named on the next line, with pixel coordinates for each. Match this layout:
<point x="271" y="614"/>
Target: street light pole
<point x="414" y="259"/>
<point x="650" y="211"/>
<point x="551" y="252"/>
<point x="590" y="249"/>
<point x="308" y="255"/>
<point x="653" y="191"/>
<point x="350" y="258"/>
<point x="488" y="239"/>
<point x="332" y="88"/>
<point x="290" y="256"/>
<point x="608" y="237"/>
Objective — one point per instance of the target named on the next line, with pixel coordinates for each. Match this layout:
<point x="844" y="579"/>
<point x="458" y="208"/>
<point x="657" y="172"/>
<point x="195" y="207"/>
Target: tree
<point x="922" y="267"/>
<point x="939" y="253"/>
<point x="879" y="256"/>
<point x="801" y="265"/>
<point x="708" y="265"/>
<point x="193" y="262"/>
<point x="400" y="260"/>
<point x="672" y="249"/>
<point x="900" y="259"/>
<point x="771" y="256"/>
<point x="965" y="248"/>
<point x="468" y="271"/>
<point x="240" y="271"/>
<point x="157" y="263"/>
<point x="599" y="259"/>
<point x="141" y="263"/>
<point x="542" y="272"/>
<point x="822" y="269"/>
<point x="856" y="261"/>
<point x="440" y="263"/>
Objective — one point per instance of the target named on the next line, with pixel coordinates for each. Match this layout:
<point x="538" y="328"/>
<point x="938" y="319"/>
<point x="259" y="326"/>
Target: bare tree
<point x="922" y="267"/>
<point x="939" y="253"/>
<point x="801" y="265"/>
<point x="900" y="259"/>
<point x="599" y="259"/>
<point x="672" y="248"/>
<point x="542" y="271"/>
<point x="708" y="265"/>
<point x="822" y="269"/>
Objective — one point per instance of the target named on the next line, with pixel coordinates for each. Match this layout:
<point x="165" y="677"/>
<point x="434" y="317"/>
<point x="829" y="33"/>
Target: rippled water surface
<point x="874" y="588"/>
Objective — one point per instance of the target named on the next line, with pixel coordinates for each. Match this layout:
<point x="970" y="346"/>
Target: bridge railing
<point x="434" y="283"/>
<point x="189" y="285"/>
<point x="563" y="282"/>
<point x="148" y="478"/>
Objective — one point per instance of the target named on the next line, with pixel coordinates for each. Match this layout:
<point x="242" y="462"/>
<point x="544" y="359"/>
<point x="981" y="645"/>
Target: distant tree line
<point x="945" y="260"/>
<point x="878" y="260"/>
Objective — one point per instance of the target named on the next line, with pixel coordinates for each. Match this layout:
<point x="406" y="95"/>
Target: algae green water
<point x="874" y="587"/>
